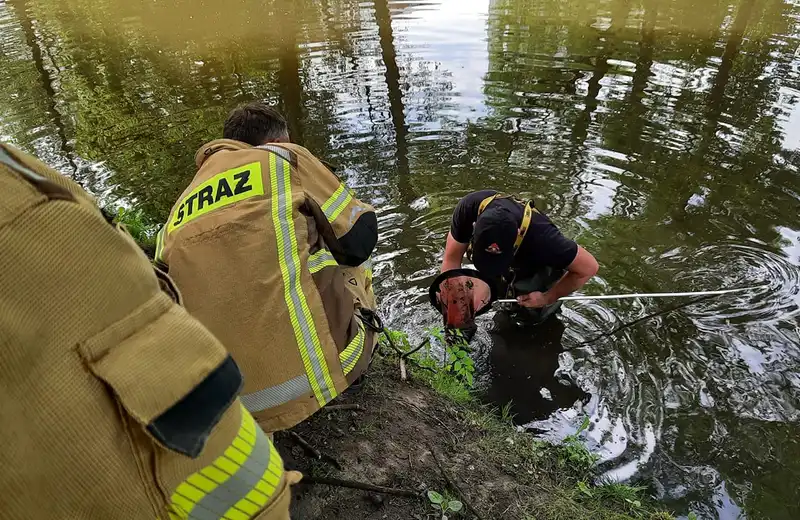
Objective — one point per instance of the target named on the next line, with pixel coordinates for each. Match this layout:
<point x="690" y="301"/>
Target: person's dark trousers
<point x="540" y="281"/>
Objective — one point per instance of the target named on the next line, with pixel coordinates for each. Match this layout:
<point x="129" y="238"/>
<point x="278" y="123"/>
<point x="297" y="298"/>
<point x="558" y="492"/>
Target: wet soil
<point x="406" y="436"/>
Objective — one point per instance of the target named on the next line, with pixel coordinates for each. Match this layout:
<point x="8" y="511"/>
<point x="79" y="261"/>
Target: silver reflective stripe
<point x="217" y="502"/>
<point x="238" y="484"/>
<point x="302" y="322"/>
<point x="334" y="206"/>
<point x="286" y="154"/>
<point x="319" y="260"/>
<point x="12" y="163"/>
<point x="277" y="395"/>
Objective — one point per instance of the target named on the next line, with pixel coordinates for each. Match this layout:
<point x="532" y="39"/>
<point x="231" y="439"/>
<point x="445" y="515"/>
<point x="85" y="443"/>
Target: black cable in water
<point x="644" y="318"/>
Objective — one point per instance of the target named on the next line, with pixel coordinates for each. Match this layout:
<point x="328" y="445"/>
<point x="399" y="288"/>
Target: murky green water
<point x="662" y="134"/>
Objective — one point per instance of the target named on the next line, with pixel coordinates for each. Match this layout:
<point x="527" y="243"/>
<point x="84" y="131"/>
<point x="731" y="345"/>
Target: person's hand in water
<point x="534" y="300"/>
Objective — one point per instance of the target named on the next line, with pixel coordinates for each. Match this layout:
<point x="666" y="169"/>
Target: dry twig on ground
<point x="452" y="484"/>
<point x="364" y="486"/>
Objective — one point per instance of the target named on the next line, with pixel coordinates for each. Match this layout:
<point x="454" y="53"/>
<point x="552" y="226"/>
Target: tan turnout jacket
<point x="116" y="404"/>
<point x="265" y="246"/>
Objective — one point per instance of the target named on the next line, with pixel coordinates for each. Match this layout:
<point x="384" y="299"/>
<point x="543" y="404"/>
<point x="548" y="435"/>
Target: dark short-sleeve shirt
<point x="543" y="246"/>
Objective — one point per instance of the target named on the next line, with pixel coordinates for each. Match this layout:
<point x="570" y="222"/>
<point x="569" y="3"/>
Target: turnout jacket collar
<point x="209" y="149"/>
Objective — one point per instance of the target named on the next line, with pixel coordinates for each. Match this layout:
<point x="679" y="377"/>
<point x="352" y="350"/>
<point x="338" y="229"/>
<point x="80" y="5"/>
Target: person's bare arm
<point x="454" y="252"/>
<point x="580" y="271"/>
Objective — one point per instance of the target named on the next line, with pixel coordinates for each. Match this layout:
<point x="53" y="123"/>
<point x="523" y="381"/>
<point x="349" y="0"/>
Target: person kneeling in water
<point x="519" y="249"/>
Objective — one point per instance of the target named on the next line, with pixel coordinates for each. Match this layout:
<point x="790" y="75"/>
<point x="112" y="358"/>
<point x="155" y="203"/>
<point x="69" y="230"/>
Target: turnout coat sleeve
<point x="349" y="226"/>
<point x="117" y="404"/>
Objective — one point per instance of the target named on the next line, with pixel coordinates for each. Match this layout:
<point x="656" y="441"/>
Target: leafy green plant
<point x="692" y="516"/>
<point x="583" y="487"/>
<point x="627" y="498"/>
<point x="396" y="337"/>
<point x="135" y="221"/>
<point x="457" y="360"/>
<point x="459" y="363"/>
<point x="456" y="353"/>
<point x="540" y="450"/>
<point x="574" y="453"/>
<point x="437" y="333"/>
<point x="444" y="378"/>
<point x="440" y="503"/>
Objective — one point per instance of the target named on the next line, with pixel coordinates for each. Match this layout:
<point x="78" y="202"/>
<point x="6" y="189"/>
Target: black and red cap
<point x="493" y="241"/>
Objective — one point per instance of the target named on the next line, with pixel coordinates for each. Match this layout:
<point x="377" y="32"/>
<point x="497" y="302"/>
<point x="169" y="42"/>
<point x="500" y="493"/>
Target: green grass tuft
<point x="451" y="388"/>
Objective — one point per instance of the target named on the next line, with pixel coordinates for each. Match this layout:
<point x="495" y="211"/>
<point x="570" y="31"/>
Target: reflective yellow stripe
<point x="159" y="256"/>
<point x="334" y="206"/>
<point x="217" y="192"/>
<point x="289" y="258"/>
<point x="238" y="484"/>
<point x="368" y="268"/>
<point x="349" y="357"/>
<point x="320" y="260"/>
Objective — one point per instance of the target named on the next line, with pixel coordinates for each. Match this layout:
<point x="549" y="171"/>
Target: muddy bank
<point x="406" y="435"/>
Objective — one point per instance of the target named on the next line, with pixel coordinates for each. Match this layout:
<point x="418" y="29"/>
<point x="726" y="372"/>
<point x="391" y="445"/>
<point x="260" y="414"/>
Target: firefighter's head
<point x="256" y="124"/>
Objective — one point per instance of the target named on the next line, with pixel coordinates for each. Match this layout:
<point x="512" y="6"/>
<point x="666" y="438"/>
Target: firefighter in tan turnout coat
<point x="271" y="252"/>
<point x="116" y="404"/>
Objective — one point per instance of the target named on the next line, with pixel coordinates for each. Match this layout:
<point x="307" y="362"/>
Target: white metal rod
<point x="646" y="295"/>
<point x="374" y="185"/>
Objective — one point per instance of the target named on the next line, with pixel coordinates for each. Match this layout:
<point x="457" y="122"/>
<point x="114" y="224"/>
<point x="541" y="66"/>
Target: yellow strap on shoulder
<point x="485" y="202"/>
<point x="523" y="229"/>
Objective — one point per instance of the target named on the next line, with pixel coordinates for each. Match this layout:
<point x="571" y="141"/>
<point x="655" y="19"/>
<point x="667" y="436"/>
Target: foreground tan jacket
<point x="270" y="251"/>
<point x="116" y="404"/>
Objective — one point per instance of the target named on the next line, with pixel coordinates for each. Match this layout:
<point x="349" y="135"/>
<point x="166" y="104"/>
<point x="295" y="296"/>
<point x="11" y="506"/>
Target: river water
<point x="661" y="134"/>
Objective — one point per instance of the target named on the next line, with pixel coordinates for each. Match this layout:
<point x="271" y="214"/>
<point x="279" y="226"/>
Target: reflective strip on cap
<point x="277" y="395"/>
<point x="321" y="259"/>
<point x="305" y="331"/>
<point x="334" y="206"/>
<point x="237" y="485"/>
<point x="349" y="357"/>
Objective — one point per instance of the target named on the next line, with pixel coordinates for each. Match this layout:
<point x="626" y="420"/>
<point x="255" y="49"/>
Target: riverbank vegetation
<point x="136" y="222"/>
<point x="417" y="426"/>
